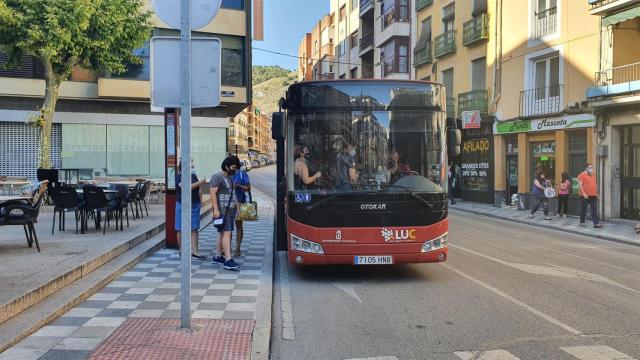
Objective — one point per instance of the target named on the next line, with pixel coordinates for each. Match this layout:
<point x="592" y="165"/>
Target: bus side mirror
<point x="277" y="126"/>
<point x="454" y="140"/>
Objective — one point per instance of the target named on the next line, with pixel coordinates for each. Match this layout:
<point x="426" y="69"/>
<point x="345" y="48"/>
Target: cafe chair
<point x="65" y="199"/>
<point x="96" y="203"/>
<point x="124" y="201"/>
<point x="25" y="214"/>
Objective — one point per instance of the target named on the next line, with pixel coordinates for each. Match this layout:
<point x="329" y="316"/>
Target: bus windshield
<point x="366" y="150"/>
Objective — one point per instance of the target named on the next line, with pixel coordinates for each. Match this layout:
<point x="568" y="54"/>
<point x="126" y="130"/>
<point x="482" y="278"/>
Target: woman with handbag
<point x="242" y="186"/>
<point x="223" y="201"/>
<point x="539" y="198"/>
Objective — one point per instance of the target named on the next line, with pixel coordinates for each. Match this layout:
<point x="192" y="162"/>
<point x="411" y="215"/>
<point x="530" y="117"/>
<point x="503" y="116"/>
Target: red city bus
<point x="379" y="148"/>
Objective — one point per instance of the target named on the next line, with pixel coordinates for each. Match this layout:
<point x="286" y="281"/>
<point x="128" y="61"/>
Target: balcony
<point x="366" y="42"/>
<point x="546" y="23"/>
<point x="541" y="101"/>
<point x="422" y="54"/>
<point x="445" y="44"/>
<point x="395" y="14"/>
<point x="474" y="100"/>
<point x="616" y="81"/>
<point x="421" y="4"/>
<point x="395" y="65"/>
<point x="607" y="7"/>
<point x="451" y="107"/>
<point x="475" y="30"/>
<point x="366" y="6"/>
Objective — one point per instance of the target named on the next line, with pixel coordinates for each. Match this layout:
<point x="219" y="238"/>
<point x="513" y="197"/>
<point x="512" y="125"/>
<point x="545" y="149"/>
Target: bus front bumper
<point x="304" y="258"/>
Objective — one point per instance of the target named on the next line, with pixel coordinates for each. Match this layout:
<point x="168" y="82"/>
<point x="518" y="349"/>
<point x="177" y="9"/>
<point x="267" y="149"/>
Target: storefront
<point x="551" y="146"/>
<point x="477" y="160"/>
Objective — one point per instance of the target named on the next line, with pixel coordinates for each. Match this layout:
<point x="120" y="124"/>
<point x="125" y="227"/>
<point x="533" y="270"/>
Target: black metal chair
<point x="25" y="214"/>
<point x="66" y="200"/>
<point x="141" y="191"/>
<point x="96" y="202"/>
<point x="124" y="201"/>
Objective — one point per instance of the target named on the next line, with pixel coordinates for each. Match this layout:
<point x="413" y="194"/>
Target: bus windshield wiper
<point x="414" y="194"/>
<point x="323" y="201"/>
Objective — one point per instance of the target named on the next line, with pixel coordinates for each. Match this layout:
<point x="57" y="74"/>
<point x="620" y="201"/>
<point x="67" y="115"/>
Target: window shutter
<point x="479" y="7"/>
<point x="449" y="12"/>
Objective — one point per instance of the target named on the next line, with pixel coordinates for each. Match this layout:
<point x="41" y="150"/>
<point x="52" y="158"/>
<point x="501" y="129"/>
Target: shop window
<point x="156" y="152"/>
<point x="354" y="73"/>
<point x="127" y="150"/>
<point x="84" y="146"/>
<point x="577" y="152"/>
<point x="543" y="158"/>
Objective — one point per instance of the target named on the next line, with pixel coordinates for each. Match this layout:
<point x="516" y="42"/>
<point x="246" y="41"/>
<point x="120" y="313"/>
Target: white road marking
<point x="532" y="310"/>
<point x="528" y="243"/>
<point x="552" y="270"/>
<point x="349" y="289"/>
<point x="600" y="352"/>
<point x="286" y="306"/>
<point x="486" y="355"/>
<point x="377" y="358"/>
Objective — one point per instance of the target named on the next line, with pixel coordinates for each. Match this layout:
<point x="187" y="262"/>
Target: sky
<point x="285" y="23"/>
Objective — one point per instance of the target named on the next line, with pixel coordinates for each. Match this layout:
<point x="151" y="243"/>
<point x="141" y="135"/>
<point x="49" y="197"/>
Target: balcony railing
<point x="366" y="40"/>
<point x="365" y="6"/>
<point x="445" y="43"/>
<point x="395" y="65"/>
<point x="475" y="30"/>
<point x="421" y="4"/>
<point x="617" y="80"/>
<point x="541" y="101"/>
<point x="546" y="23"/>
<point x="451" y="106"/>
<point x="422" y="54"/>
<point x="474" y="100"/>
<point x="395" y="14"/>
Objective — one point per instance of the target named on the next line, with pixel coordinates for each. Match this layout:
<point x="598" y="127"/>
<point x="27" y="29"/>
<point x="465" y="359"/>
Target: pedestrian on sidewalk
<point x="242" y="184"/>
<point x="563" y="195"/>
<point x="224" y="208"/>
<point x="196" y="201"/>
<point x="452" y="183"/>
<point x="588" y="196"/>
<point x="539" y="184"/>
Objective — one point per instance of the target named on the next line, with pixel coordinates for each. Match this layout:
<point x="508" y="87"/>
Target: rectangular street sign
<point x="165" y="72"/>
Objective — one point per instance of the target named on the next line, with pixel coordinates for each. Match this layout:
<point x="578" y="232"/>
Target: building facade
<point x="104" y="123"/>
<point x="615" y="99"/>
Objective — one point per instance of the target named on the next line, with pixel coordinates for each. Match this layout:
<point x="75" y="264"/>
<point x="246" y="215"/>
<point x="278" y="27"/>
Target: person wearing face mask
<point x="242" y="185"/>
<point x="196" y="202"/>
<point x="301" y="169"/>
<point x="347" y="175"/>
<point x="224" y="207"/>
<point x="539" y="199"/>
<point x="588" y="196"/>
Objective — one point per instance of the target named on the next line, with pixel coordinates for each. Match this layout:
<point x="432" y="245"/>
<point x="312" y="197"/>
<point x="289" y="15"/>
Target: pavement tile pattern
<point x="151" y="289"/>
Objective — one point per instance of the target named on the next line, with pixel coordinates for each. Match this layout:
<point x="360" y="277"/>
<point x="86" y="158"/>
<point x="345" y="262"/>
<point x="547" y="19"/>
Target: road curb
<point x="261" y="339"/>
<point x="571" y="231"/>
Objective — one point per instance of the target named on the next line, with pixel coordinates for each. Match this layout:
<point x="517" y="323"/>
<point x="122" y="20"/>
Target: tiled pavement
<point x="621" y="231"/>
<point x="151" y="290"/>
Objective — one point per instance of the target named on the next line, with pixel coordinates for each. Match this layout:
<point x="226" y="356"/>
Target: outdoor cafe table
<point x="108" y="193"/>
<point x="4" y="198"/>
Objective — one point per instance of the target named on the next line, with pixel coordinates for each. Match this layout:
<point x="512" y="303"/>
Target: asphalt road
<point x="508" y="291"/>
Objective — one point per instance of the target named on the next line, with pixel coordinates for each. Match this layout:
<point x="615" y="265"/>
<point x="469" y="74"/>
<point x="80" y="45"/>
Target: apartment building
<point x="359" y="39"/>
<point x="615" y="99"/>
<point x="104" y="123"/>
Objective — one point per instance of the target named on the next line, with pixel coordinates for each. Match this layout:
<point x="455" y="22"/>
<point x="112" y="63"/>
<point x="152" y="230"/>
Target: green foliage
<point x="95" y="34"/>
<point x="264" y="73"/>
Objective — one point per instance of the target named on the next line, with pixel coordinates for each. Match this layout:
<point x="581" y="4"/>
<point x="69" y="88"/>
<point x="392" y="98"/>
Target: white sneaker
<point x="530" y="216"/>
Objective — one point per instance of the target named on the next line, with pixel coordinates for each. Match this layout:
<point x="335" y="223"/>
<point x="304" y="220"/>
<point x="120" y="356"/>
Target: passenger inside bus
<point x="301" y="169"/>
<point x="347" y="174"/>
<point x="396" y="167"/>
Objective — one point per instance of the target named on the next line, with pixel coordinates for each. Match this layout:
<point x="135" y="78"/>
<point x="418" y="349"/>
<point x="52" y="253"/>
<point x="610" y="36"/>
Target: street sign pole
<point x="185" y="162"/>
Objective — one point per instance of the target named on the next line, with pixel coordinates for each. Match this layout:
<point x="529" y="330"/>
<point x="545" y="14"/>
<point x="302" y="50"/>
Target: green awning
<point x="621" y="16"/>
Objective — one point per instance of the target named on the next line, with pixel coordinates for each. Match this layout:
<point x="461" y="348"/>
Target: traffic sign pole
<point x="185" y="162"/>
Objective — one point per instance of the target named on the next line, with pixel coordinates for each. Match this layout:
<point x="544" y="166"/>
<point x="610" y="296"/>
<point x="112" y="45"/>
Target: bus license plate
<point x="373" y="260"/>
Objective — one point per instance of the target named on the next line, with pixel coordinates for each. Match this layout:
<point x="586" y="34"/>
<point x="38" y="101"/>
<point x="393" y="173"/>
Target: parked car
<point x="246" y="163"/>
<point x="263" y="162"/>
<point x="255" y="163"/>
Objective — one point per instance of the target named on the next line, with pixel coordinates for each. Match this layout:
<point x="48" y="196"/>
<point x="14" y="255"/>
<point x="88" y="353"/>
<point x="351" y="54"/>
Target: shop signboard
<point x="477" y="169"/>
<point x="471" y="120"/>
<point x="547" y="124"/>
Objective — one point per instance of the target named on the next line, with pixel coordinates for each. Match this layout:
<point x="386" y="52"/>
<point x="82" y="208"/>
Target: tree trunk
<point x="52" y="83"/>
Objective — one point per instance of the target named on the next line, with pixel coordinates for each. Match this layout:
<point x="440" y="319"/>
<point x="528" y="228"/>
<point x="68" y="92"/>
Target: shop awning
<point x="621" y="16"/>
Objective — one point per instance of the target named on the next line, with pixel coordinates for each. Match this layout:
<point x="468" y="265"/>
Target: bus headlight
<point x="307" y="246"/>
<point x="438" y="243"/>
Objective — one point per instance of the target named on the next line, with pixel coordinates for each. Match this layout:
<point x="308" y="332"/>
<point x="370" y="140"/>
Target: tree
<point x="98" y="35"/>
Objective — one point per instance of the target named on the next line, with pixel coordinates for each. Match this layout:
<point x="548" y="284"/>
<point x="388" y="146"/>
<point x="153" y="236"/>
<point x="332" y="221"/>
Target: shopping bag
<point x="549" y="193"/>
<point x="248" y="211"/>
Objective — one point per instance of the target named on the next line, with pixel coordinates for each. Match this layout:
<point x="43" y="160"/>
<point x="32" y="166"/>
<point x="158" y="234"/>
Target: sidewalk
<point x="622" y="231"/>
<point x="137" y="315"/>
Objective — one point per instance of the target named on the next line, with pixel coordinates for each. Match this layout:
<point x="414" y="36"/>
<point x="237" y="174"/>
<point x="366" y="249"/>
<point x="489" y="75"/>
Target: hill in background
<point x="274" y="82"/>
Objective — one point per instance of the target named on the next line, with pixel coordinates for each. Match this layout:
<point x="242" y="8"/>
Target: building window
<point x="354" y="4"/>
<point x="232" y="4"/>
<point x="448" y="17"/>
<point x="30" y="67"/>
<point x="354" y="40"/>
<point x="577" y="152"/>
<point x="479" y="74"/>
<point x="354" y="73"/>
<point x="343" y="13"/>
<point x="394" y="56"/>
<point x="138" y="71"/>
<point x="545" y="19"/>
<point x="342" y="47"/>
<point x="315" y="46"/>
<point x="232" y="67"/>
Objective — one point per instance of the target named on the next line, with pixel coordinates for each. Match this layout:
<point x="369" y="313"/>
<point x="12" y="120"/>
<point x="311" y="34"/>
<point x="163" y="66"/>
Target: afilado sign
<point x="555" y="123"/>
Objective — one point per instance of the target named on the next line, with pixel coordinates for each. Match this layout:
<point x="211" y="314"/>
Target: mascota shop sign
<point x="554" y="123"/>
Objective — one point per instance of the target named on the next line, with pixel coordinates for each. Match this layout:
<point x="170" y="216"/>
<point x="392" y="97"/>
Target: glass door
<point x="543" y="158"/>
<point x="630" y="174"/>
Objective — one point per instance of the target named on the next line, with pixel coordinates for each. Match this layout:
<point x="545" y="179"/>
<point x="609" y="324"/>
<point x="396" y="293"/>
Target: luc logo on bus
<point x="398" y="234"/>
